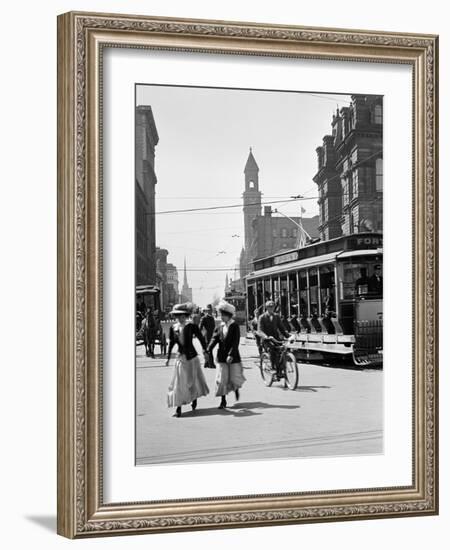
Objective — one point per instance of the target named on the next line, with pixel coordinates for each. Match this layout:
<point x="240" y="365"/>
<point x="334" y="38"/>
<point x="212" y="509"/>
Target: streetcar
<point x="237" y="299"/>
<point x="329" y="295"/>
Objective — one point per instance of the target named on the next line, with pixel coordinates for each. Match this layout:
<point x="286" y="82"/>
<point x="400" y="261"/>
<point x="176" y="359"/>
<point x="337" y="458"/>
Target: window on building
<point x="354" y="216"/>
<point x="251" y="184"/>
<point x="274" y="232"/>
<point x="379" y="174"/>
<point x="355" y="184"/>
<point x="294" y="232"/>
<point x="144" y="143"/>
<point x="284" y="232"/>
<point x="378" y="114"/>
<point x="345" y="192"/>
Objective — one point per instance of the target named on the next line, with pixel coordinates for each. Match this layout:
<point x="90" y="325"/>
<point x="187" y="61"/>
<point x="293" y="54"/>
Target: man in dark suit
<point x="271" y="328"/>
<point x="376" y="282"/>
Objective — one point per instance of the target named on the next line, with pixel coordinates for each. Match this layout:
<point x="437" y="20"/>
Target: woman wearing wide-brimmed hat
<point x="188" y="382"/>
<point x="230" y="376"/>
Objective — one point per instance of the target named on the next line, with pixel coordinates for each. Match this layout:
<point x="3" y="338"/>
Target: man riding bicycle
<point x="271" y="328"/>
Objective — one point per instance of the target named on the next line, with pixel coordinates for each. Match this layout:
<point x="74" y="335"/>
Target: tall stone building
<point x="350" y="170"/>
<point x="173" y="291"/>
<point x="161" y="275"/>
<point x="146" y="139"/>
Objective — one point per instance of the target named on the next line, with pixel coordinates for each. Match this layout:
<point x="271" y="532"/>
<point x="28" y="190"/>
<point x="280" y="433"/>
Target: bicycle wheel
<point x="291" y="371"/>
<point x="266" y="369"/>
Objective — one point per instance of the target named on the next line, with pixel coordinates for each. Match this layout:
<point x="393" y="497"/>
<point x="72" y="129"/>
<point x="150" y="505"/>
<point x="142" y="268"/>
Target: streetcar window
<point x="267" y="290"/>
<point x="313" y="291"/>
<point x="259" y="294"/>
<point x="293" y="294"/>
<point x="353" y="273"/>
<point x="251" y="300"/>
<point x="276" y="291"/>
<point x="361" y="279"/>
<point x="284" y="296"/>
<point x="303" y="294"/>
<point x="327" y="289"/>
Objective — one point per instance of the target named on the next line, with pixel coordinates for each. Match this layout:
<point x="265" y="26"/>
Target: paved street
<point x="334" y="411"/>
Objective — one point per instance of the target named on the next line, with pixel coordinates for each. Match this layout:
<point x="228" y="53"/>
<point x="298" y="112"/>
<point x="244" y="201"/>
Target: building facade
<point x="172" y="285"/>
<point x="350" y="170"/>
<point x="161" y="275"/>
<point x="146" y="139"/>
<point x="275" y="233"/>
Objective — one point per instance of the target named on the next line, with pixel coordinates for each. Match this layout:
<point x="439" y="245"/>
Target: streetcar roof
<point x="351" y="253"/>
<point x="309" y="262"/>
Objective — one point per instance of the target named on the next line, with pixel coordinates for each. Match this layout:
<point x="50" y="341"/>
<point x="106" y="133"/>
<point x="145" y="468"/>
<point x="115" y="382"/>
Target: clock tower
<point x="252" y="200"/>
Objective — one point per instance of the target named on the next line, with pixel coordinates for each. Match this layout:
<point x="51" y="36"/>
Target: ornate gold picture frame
<point x="82" y="39"/>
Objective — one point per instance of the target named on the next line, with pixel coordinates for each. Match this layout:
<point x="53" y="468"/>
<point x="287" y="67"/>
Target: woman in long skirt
<point x="230" y="376"/>
<point x="188" y="382"/>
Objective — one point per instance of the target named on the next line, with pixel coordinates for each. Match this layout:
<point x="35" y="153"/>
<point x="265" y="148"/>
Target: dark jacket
<point x="272" y="327"/>
<point x="295" y="324"/>
<point x="187" y="348"/>
<point x="376" y="285"/>
<point x="209" y="324"/>
<point x="228" y="345"/>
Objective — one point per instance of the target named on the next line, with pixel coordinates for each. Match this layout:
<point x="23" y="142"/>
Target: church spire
<point x="186" y="290"/>
<point x="185" y="281"/>
<point x="251" y="166"/>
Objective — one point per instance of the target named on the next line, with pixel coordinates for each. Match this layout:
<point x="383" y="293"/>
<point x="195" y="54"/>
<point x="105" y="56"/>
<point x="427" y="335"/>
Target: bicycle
<point x="286" y="367"/>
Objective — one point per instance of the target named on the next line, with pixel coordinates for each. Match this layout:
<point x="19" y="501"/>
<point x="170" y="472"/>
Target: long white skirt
<point x="188" y="382"/>
<point x="229" y="377"/>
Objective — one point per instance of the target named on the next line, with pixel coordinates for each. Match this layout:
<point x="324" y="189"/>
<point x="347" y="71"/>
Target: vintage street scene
<point x="259" y="274"/>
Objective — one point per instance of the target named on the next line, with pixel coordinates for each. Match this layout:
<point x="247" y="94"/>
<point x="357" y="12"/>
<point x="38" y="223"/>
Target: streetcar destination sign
<point x="290" y="257"/>
<point x="366" y="241"/>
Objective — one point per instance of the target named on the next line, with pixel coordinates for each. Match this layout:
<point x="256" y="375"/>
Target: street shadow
<point x="260" y="405"/>
<point x="229" y="411"/>
<point x="46" y="522"/>
<point x="307" y="388"/>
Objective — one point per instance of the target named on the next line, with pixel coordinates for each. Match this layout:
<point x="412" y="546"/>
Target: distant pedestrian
<point x="188" y="382"/>
<point x="196" y="316"/>
<point x="230" y="376"/>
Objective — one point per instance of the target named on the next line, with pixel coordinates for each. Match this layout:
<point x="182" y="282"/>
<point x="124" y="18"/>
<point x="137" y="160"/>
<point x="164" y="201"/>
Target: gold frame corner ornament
<point x="81" y="37"/>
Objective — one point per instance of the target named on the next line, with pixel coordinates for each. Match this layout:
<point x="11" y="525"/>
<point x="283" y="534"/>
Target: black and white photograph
<point x="259" y="274"/>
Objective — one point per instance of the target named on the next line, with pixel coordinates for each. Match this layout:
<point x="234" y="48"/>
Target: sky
<point x="204" y="139"/>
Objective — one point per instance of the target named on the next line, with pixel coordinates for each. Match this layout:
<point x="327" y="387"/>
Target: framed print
<point x="247" y="285"/>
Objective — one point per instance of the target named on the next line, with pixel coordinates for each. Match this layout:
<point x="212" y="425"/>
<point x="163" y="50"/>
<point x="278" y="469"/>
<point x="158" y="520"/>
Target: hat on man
<point x="226" y="307"/>
<point x="182" y="309"/>
<point x="270" y="303"/>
